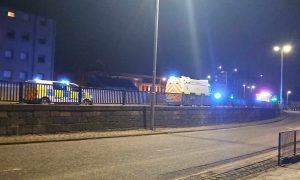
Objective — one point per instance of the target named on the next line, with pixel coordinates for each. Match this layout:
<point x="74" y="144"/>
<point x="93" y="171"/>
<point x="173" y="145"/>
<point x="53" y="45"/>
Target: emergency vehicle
<point x="46" y="92"/>
<point x="186" y="85"/>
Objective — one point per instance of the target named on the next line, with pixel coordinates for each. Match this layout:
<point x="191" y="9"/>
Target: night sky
<point x="195" y="36"/>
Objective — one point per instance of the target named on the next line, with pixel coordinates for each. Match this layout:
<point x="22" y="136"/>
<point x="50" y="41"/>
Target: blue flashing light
<point x="65" y="82"/>
<point x="172" y="77"/>
<point x="274" y="99"/>
<point x="37" y="79"/>
<point x="231" y="97"/>
<point x="217" y="95"/>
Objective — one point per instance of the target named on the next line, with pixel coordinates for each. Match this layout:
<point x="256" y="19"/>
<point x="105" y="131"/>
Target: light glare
<point x="287" y="48"/>
<point x="276" y="48"/>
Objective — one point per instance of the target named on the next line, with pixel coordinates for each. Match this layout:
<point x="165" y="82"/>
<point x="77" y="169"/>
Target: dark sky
<point x="195" y="36"/>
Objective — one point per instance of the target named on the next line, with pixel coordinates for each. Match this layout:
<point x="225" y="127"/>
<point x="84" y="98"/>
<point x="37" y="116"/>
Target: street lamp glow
<point x="287" y="97"/>
<point x="244" y="85"/>
<point x="235" y="70"/>
<point x="208" y="77"/>
<point x="220" y="67"/>
<point x="287" y="48"/>
<point x="276" y="48"/>
<point x="252" y="87"/>
<point x="283" y="49"/>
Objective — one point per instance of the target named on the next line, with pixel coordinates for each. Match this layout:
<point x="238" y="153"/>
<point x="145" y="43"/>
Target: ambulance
<point x="186" y="85"/>
<point x="46" y="92"/>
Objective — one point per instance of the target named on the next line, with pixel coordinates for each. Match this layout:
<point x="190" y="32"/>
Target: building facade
<point x="144" y="82"/>
<point x="27" y="46"/>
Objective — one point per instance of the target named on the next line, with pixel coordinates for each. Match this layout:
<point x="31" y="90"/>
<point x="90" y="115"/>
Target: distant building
<point x="144" y="82"/>
<point x="27" y="46"/>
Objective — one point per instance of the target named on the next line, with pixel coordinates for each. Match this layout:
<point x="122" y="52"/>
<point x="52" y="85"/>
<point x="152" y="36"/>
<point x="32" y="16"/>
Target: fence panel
<point x="9" y="91"/>
<point x="104" y="96"/>
<point x="137" y="97"/>
<point x="288" y="145"/>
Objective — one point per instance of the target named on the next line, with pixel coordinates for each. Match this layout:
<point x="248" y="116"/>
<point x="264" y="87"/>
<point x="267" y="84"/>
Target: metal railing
<point x="9" y="91"/>
<point x="288" y="147"/>
<point x="30" y="92"/>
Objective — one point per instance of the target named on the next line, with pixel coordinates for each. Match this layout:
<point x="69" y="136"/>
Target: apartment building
<point x="27" y="46"/>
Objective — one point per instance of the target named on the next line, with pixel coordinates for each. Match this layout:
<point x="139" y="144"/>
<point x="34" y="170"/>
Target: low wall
<point x="39" y="119"/>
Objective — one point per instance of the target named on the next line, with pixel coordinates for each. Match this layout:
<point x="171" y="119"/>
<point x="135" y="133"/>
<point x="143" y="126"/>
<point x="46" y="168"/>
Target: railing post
<point x="279" y="149"/>
<point x="80" y="95"/>
<point x="21" y="92"/>
<point x="123" y="97"/>
<point x="295" y="142"/>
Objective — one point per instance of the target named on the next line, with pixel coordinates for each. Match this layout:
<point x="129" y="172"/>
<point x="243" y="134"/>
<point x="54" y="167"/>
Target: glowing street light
<point x="287" y="97"/>
<point x="284" y="49"/>
<point x="244" y="85"/>
<point x="252" y="88"/>
<point x="226" y="74"/>
<point x="208" y="76"/>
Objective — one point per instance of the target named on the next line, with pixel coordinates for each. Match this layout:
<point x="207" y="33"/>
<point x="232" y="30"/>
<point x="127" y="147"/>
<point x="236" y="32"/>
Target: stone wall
<point x="39" y="119"/>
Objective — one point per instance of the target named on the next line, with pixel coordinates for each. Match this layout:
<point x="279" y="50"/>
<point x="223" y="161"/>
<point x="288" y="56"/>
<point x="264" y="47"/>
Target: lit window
<point x="26" y="17"/>
<point x="11" y="14"/>
<point x="7" y="74"/>
<point x="23" y="76"/>
<point x="23" y="56"/>
<point x="8" y="54"/>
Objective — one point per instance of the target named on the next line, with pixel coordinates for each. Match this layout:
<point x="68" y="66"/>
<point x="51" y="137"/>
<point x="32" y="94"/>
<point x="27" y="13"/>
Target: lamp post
<point x="283" y="49"/>
<point x="287" y="97"/>
<point x="152" y="113"/>
<point x="244" y="85"/>
<point x="252" y="88"/>
<point x="235" y="70"/>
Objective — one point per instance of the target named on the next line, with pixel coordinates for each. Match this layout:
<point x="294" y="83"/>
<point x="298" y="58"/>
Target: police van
<point x="46" y="92"/>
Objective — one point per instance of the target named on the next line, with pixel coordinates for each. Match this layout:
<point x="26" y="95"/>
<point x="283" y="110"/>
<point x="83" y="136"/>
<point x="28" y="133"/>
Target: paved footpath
<point x="263" y="166"/>
<point x="290" y="172"/>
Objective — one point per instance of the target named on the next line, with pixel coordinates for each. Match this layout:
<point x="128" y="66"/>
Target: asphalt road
<point x="143" y="157"/>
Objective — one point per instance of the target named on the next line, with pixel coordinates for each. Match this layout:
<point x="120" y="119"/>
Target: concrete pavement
<point x="226" y="153"/>
<point x="289" y="172"/>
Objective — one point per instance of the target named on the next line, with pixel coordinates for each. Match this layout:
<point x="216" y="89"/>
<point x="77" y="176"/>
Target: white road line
<point x="8" y="170"/>
<point x="166" y="149"/>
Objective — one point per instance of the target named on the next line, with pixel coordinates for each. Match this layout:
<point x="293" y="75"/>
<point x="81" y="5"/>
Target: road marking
<point x="8" y="170"/>
<point x="166" y="149"/>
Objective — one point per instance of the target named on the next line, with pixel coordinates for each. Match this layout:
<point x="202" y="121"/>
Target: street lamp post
<point x="287" y="97"/>
<point x="152" y="113"/>
<point x="244" y="85"/>
<point x="283" y="49"/>
<point x="252" y="88"/>
<point x="235" y="70"/>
